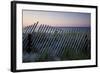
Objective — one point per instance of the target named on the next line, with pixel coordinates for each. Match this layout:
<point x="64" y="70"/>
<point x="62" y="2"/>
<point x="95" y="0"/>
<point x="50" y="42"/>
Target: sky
<point x="57" y="19"/>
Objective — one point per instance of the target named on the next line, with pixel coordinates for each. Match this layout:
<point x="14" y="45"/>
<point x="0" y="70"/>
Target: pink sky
<point x="62" y="19"/>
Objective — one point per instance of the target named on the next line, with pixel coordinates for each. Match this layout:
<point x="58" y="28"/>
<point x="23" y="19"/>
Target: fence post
<point x="29" y="49"/>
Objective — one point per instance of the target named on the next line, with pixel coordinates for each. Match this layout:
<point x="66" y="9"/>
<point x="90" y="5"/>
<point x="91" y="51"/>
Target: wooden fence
<point x="48" y="43"/>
